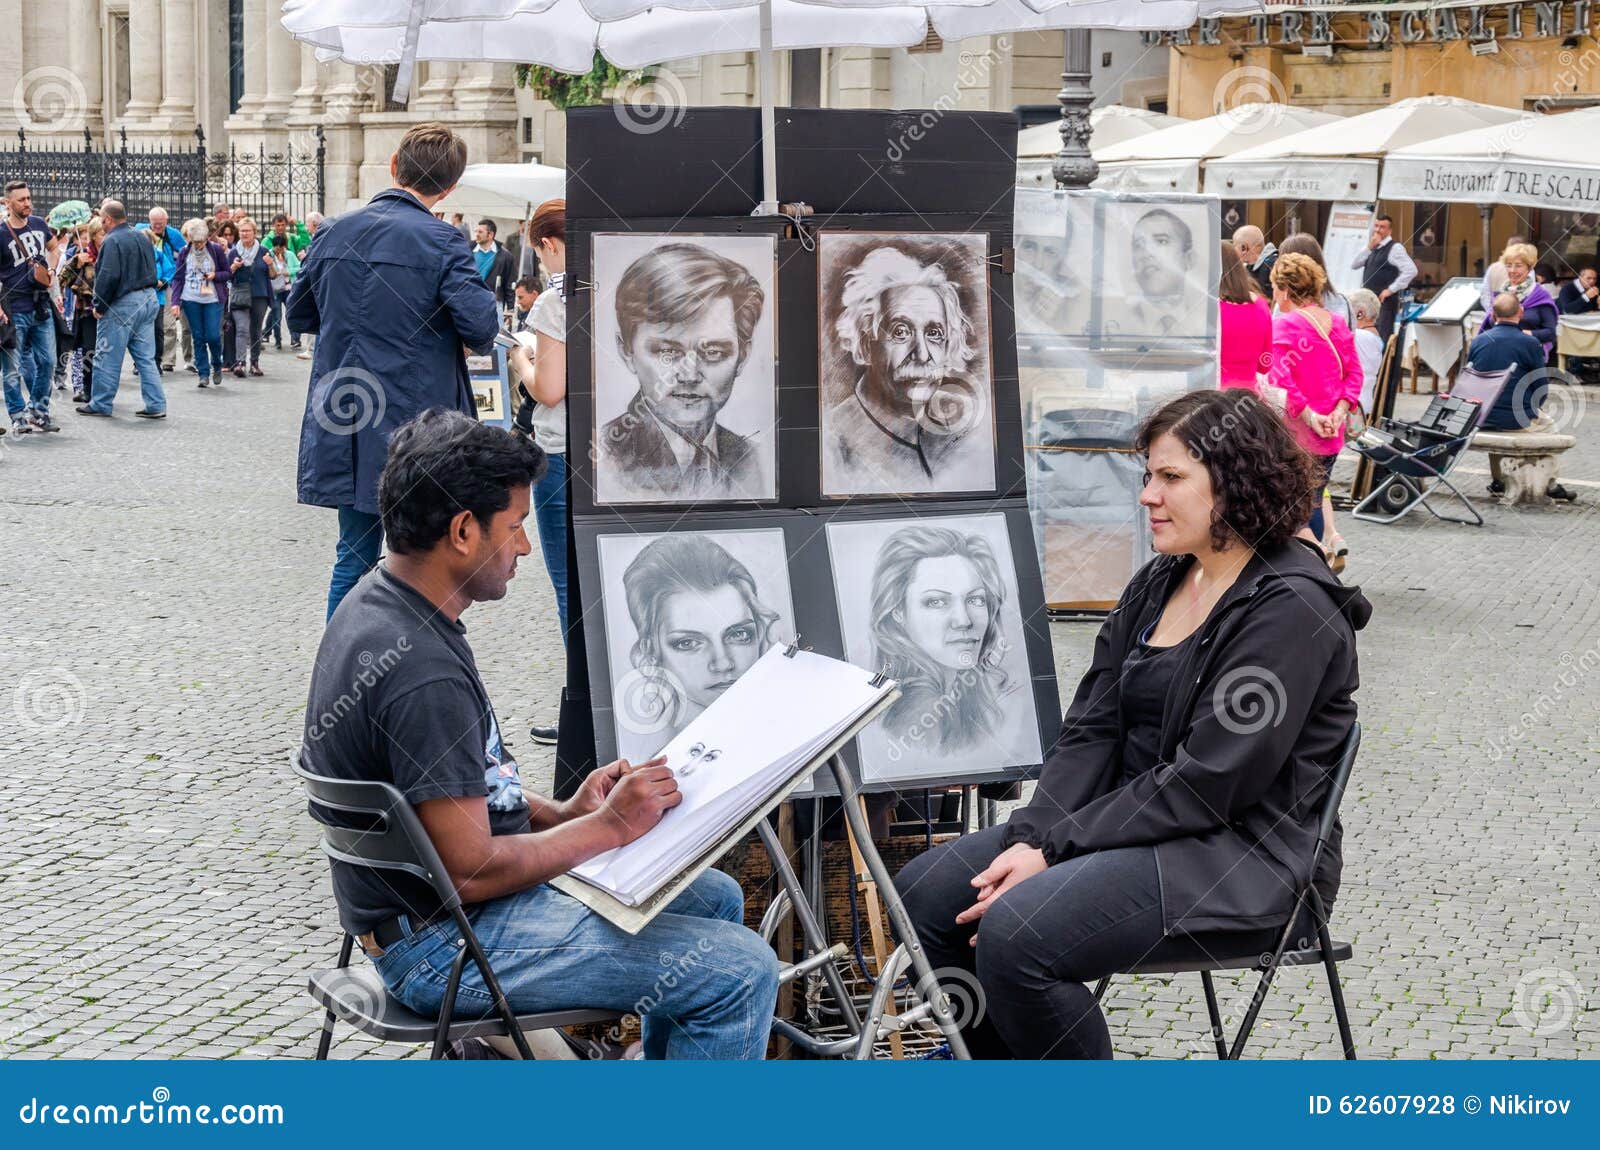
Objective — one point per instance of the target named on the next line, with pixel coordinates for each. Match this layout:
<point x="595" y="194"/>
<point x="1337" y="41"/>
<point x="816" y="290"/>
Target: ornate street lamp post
<point x="1074" y="167"/>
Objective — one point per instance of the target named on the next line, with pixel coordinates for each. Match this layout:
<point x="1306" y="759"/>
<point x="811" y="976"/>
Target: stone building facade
<point x="157" y="69"/>
<point x="1359" y="56"/>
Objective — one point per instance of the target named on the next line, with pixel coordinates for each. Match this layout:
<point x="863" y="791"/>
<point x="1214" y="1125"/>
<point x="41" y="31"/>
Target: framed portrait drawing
<point x="905" y="364"/>
<point x="1156" y="276"/>
<point x="490" y="380"/>
<point x="685" y="614"/>
<point x="685" y="368"/>
<point x="1054" y="241"/>
<point x="933" y="601"/>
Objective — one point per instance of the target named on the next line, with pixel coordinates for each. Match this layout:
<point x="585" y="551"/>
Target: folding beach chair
<point x="1416" y="459"/>
<point x="1326" y="951"/>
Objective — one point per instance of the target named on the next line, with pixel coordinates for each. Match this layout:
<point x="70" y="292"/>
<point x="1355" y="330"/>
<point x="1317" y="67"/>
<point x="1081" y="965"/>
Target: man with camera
<point x="27" y="315"/>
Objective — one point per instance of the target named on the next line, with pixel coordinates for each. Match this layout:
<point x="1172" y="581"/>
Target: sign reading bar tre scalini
<point x="1384" y="25"/>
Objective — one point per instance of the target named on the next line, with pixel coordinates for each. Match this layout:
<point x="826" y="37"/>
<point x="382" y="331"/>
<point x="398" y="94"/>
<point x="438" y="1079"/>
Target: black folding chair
<point x="396" y="840"/>
<point x="1414" y="460"/>
<point x="1327" y="952"/>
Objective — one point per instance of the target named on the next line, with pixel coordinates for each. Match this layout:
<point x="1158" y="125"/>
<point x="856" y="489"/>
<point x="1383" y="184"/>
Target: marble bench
<point x="1525" y="461"/>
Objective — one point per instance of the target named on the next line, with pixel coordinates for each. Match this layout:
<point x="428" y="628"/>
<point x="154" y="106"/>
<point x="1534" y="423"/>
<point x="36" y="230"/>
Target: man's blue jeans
<point x="550" y="513"/>
<point x="128" y="327"/>
<point x="31" y="365"/>
<point x="704" y="985"/>
<point x="360" y="542"/>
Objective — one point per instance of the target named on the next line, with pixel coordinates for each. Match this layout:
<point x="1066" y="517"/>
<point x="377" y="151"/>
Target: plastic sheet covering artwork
<point x="1116" y="314"/>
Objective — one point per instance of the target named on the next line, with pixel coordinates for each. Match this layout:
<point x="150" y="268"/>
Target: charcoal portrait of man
<point x="686" y="318"/>
<point x="907" y="390"/>
<point x="1155" y="284"/>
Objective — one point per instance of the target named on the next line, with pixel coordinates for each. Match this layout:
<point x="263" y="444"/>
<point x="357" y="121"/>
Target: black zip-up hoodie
<point x="1260" y="706"/>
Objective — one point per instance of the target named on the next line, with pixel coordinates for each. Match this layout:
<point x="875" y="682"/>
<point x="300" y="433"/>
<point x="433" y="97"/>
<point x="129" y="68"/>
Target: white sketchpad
<point x="745" y="747"/>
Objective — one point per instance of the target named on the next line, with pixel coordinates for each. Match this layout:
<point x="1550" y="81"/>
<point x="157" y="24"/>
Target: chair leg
<point x="326" y="1040"/>
<point x="447" y="1009"/>
<point x="1215" y="1013"/>
<point x="1101" y="987"/>
<point x="1336" y="992"/>
<point x="1256" y="999"/>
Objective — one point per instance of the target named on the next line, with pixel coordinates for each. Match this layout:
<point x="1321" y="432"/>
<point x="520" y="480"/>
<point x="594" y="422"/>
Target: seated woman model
<point x="1177" y="811"/>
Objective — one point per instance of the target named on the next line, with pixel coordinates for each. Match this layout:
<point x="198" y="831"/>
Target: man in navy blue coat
<point x="395" y="300"/>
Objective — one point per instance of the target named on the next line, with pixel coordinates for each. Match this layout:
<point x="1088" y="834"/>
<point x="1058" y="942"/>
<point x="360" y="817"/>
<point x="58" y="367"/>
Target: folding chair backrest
<point x="393" y="837"/>
<point x="1338" y="781"/>
<point x="1480" y="387"/>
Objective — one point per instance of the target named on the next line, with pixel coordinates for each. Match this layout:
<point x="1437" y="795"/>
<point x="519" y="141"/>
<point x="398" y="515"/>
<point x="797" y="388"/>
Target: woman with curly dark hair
<point x="1176" y="814"/>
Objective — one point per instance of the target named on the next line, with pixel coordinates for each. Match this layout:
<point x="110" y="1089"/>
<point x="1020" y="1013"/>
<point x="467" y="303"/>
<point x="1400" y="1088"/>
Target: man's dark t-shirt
<point x="20" y="249"/>
<point x="396" y="697"/>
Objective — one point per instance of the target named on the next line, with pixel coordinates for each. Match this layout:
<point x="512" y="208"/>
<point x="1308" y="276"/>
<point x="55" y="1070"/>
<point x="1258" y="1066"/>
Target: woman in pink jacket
<point x="1314" y="361"/>
<point x="1246" y="324"/>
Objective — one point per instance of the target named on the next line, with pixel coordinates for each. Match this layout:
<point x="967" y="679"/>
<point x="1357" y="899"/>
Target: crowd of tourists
<point x="83" y="289"/>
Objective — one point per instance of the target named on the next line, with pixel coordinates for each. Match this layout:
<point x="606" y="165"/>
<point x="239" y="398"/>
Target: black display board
<point x="875" y="171"/>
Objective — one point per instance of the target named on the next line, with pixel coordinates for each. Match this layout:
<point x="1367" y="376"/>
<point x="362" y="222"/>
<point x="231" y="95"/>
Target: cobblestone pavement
<point x="162" y="894"/>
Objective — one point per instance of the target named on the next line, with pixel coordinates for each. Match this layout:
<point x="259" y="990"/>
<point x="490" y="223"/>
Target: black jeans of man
<point x="234" y="345"/>
<point x="85" y="331"/>
<point x="1045" y="939"/>
<point x="1388" y="311"/>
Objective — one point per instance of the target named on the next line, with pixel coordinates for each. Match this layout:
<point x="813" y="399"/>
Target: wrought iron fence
<point x="186" y="182"/>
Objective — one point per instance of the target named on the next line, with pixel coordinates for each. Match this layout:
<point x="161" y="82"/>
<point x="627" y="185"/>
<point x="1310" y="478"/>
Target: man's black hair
<point x="1385" y="217"/>
<point x="443" y="463"/>
<point x="490" y="224"/>
<point x="529" y="283"/>
<point x="16" y="186"/>
<point x="280" y="241"/>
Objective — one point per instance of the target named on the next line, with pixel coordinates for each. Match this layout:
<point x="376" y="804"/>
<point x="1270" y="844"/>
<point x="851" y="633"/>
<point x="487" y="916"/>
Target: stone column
<point x="862" y="76"/>
<point x="438" y="91"/>
<point x="282" y="68"/>
<point x="83" y="59"/>
<point x="255" y="62"/>
<point x="145" y="52"/>
<point x="11" y="70"/>
<point x="177" y="65"/>
<point x="344" y="101"/>
<point x="308" y="96"/>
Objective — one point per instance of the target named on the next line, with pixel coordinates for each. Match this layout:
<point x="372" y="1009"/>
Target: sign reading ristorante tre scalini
<point x="1383" y="25"/>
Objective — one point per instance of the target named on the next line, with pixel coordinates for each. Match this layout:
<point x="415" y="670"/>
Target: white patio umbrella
<point x="1538" y="162"/>
<point x="504" y="191"/>
<point x="1340" y="161"/>
<point x="565" y="34"/>
<point x="1112" y="124"/>
<point x="1170" y="160"/>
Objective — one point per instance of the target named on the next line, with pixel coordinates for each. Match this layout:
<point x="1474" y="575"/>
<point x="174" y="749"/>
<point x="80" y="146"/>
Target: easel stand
<point x="880" y="1021"/>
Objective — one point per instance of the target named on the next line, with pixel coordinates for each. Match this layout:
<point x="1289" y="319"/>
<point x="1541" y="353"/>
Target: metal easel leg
<point x="810" y="927"/>
<point x="898" y="918"/>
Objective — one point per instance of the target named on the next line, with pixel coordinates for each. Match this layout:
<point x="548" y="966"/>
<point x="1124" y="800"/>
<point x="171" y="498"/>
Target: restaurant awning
<point x="1340" y="161"/>
<point x="1538" y="162"/>
<point x="1169" y="160"/>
